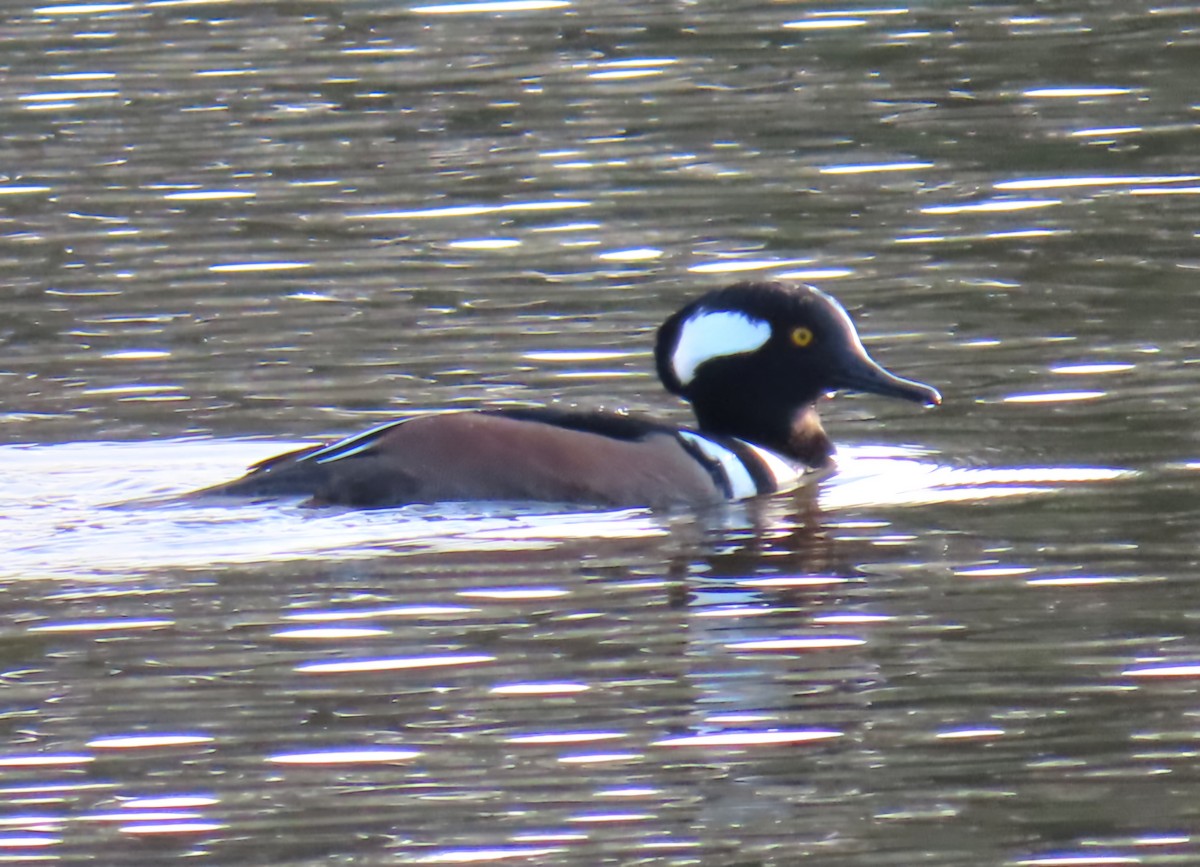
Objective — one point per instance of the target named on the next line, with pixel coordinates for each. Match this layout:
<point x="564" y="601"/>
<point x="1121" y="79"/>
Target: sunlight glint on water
<point x="58" y="495"/>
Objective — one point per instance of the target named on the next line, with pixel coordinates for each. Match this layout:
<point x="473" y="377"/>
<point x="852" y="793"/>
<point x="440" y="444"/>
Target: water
<point x="228" y="228"/>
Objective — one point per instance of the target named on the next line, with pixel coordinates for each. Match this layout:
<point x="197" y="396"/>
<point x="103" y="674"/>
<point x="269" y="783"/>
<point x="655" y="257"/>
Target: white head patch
<point x="709" y="334"/>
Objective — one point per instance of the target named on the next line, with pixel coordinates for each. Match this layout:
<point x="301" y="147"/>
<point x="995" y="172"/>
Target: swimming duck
<point x="752" y="359"/>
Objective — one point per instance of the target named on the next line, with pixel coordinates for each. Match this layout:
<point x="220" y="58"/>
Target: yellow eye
<point x="801" y="336"/>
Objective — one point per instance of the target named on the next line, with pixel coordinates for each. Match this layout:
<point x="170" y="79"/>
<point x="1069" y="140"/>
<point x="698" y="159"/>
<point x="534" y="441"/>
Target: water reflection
<point x="180" y="535"/>
<point x="489" y="6"/>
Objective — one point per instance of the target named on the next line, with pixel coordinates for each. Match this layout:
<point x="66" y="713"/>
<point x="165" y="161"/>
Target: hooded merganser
<point x="752" y="359"/>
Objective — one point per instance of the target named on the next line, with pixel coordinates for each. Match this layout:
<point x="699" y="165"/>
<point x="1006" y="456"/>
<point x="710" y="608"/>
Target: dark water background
<point x="229" y="226"/>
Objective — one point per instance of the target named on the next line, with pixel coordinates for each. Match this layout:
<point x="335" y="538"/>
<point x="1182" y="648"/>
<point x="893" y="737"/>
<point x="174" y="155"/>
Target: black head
<point x="753" y="358"/>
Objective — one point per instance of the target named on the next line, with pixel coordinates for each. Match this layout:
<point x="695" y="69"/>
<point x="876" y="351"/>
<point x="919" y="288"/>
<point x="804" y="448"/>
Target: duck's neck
<point x="799" y="436"/>
<point x="807" y="440"/>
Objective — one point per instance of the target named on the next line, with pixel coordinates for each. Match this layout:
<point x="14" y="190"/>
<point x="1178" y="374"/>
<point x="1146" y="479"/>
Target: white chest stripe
<point x="784" y="473"/>
<point x="741" y="483"/>
<point x="710" y="334"/>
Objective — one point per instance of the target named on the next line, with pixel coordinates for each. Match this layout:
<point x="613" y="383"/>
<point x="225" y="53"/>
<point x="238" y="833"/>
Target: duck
<point x="752" y="359"/>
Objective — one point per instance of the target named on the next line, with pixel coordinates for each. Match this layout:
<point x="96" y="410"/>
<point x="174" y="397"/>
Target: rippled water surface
<point x="228" y="227"/>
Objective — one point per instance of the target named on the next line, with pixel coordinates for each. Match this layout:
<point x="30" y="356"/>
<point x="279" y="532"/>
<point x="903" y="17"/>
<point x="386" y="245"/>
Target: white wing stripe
<point x="351" y="446"/>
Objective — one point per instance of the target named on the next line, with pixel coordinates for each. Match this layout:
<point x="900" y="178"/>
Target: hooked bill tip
<point x="873" y="379"/>
<point x="917" y="392"/>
